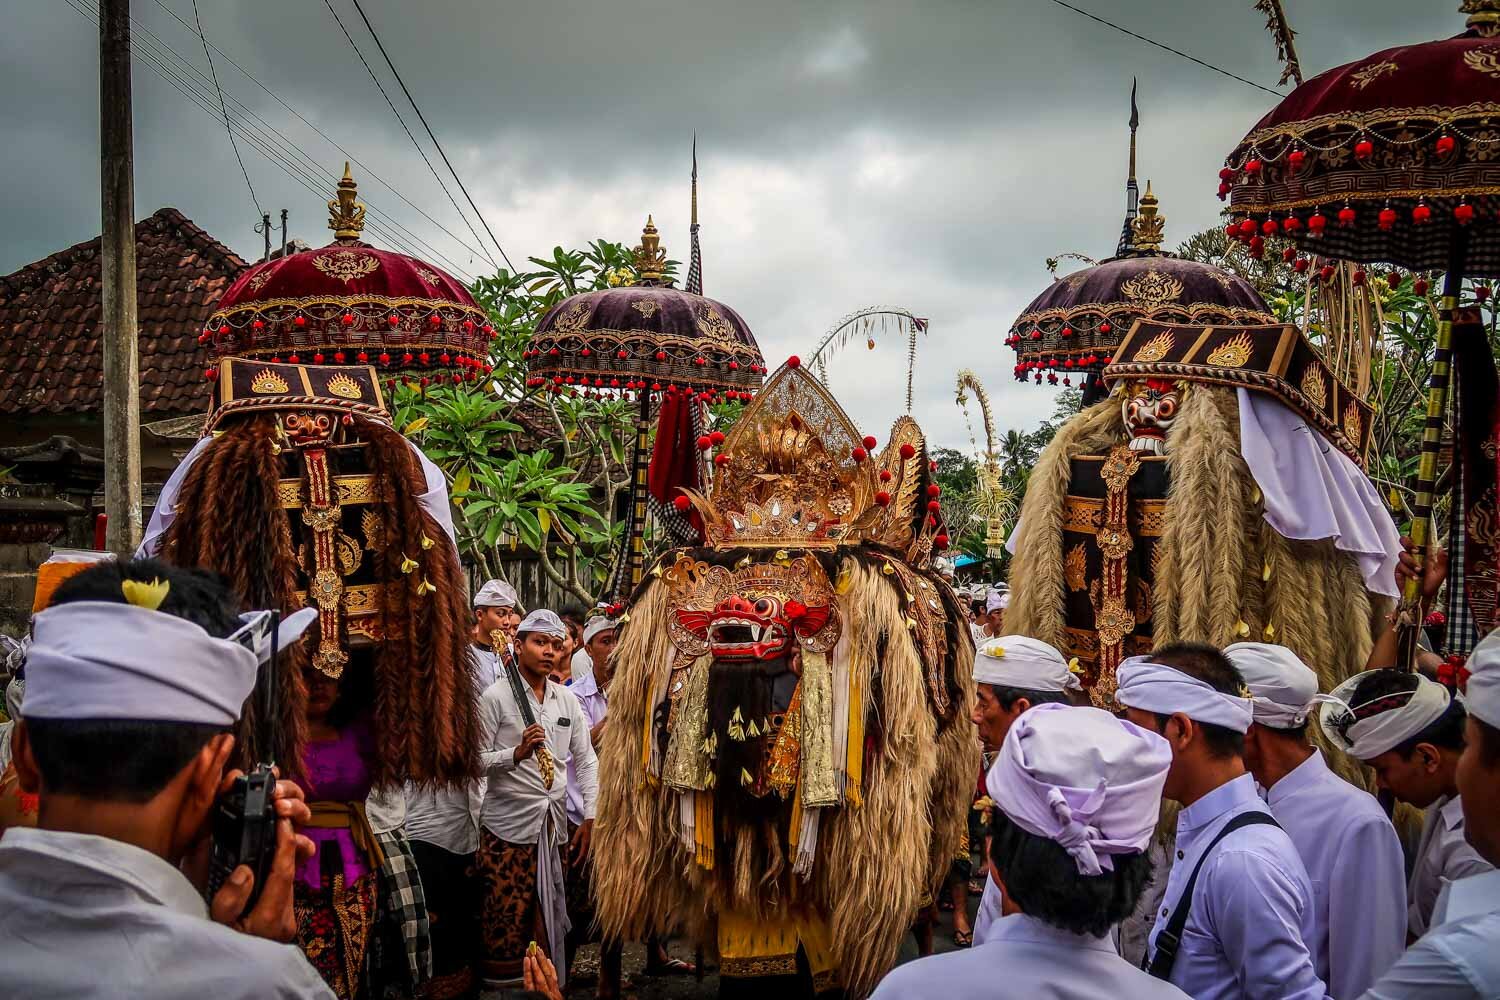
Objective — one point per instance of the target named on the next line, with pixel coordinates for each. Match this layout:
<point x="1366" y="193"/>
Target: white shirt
<point x="1251" y="909"/>
<point x="516" y="802"/>
<point x="580" y="667"/>
<point x="86" y="916"/>
<point x="1026" y="959"/>
<point x="1457" y="959"/>
<point x="448" y="817"/>
<point x="1358" y="873"/>
<point x="385" y="808"/>
<point x="1443" y="855"/>
<point x="595" y="705"/>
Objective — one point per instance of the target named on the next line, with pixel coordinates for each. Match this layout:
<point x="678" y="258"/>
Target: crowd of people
<point x="1278" y="876"/>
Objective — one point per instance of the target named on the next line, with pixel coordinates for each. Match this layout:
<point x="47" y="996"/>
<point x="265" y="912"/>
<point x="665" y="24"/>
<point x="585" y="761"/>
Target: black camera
<point x="244" y="820"/>
<point x="244" y="831"/>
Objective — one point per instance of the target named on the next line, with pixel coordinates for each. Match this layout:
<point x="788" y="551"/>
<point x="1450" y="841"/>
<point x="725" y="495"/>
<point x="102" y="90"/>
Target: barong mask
<point x="1149" y="408"/>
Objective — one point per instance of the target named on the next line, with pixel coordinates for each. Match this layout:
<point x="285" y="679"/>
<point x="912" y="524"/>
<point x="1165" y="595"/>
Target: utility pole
<point x="265" y="227"/>
<point x="117" y="328"/>
<point x="283" y="232"/>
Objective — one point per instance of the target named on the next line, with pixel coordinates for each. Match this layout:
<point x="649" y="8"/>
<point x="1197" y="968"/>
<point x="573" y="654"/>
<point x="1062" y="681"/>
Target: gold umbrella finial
<point x="650" y="258"/>
<point x="346" y="216"/>
<point x="1147" y="227"/>
<point x="1484" y="17"/>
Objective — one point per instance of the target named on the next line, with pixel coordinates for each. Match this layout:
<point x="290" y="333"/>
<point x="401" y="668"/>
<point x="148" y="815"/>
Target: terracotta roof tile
<point x="49" y="322"/>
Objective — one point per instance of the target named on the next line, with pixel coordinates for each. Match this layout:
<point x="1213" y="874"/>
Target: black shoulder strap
<point x="1170" y="938"/>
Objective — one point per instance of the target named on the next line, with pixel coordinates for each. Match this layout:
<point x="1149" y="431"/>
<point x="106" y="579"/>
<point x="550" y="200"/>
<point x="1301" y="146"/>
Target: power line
<point x="371" y="28"/>
<point x="217" y="89"/>
<point x="1168" y="48"/>
<point x="265" y="141"/>
<point x="364" y="167"/>
<point x="413" y="138"/>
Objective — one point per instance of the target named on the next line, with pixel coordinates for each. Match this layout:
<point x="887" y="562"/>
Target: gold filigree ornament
<point x="345" y="387"/>
<point x="1232" y="353"/>
<point x="347" y="265"/>
<point x="374" y="532"/>
<point x="1373" y="72"/>
<point x="713" y="325"/>
<point x="1483" y="61"/>
<point x="646" y="307"/>
<point x="572" y="319"/>
<point x="1075" y="568"/>
<point x="268" y="383"/>
<point x="1315" y="386"/>
<point x="1353" y="423"/>
<point x="1152" y="288"/>
<point x="429" y="277"/>
<point x="1155" y="349"/>
<point x="262" y="276"/>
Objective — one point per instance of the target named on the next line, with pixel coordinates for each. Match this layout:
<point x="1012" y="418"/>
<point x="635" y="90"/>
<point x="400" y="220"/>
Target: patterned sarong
<point x="333" y="929"/>
<point x="510" y="911"/>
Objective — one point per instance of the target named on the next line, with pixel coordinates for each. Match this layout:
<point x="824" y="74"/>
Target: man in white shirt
<point x="1077" y="793"/>
<point x="527" y="740"/>
<point x="992" y="622"/>
<point x="495" y="606"/>
<point x="1349" y="846"/>
<point x="136" y="674"/>
<point x="1011" y="674"/>
<point x="1457" y="959"/>
<point x="1411" y="732"/>
<point x="1238" y="907"/>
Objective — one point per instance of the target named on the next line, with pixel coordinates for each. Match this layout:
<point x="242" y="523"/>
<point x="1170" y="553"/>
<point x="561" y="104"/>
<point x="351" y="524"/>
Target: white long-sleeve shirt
<point x="516" y="802"/>
<point x="1026" y="959"/>
<point x="595" y="705"/>
<point x="1358" y="874"/>
<point x="1252" y="908"/>
<point x="87" y="916"/>
<point x="1457" y="959"/>
<point x="1443" y="856"/>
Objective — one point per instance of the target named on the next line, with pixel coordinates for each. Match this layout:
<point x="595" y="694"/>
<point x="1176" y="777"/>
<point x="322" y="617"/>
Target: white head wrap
<point x="1156" y="687"/>
<point x="1022" y="662"/>
<point x="496" y="594"/>
<point x="1283" y="689"/>
<point x="1372" y="727"/>
<point x="1482" y="692"/>
<point x="597" y="624"/>
<point x="1083" y="778"/>
<point x="102" y="660"/>
<point x="996" y="600"/>
<point x="543" y="621"/>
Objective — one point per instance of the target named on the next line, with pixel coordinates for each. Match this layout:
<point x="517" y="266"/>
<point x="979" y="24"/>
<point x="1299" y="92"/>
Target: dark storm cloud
<point x="928" y="155"/>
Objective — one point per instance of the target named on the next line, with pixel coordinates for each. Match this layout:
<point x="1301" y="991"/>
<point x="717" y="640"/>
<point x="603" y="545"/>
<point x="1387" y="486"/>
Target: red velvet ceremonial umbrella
<point x="655" y="342"/>
<point x="1395" y="158"/>
<point x="349" y="303"/>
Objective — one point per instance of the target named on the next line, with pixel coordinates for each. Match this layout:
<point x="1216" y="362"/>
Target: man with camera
<point x="136" y="674"/>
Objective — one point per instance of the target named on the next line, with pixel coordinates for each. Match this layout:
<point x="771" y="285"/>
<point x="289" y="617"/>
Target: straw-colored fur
<point x="875" y="862"/>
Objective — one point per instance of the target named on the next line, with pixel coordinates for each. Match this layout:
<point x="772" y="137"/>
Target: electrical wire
<point x="420" y="150"/>
<point x="225" y="111"/>
<point x="364" y="167"/>
<point x="423" y="118"/>
<point x="1168" y="48"/>
<point x="267" y="142"/>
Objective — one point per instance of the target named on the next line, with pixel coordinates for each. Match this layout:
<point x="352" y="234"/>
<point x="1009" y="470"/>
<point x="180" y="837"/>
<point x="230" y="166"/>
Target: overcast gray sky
<point x="926" y="155"/>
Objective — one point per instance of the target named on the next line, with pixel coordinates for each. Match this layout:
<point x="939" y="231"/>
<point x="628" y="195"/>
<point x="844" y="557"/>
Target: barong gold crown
<point x="797" y="475"/>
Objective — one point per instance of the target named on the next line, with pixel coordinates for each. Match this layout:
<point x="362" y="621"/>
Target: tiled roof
<point x="49" y="322"/>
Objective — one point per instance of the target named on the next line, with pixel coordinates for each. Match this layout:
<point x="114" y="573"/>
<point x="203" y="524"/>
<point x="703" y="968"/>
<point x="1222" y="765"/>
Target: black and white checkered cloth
<point x="405" y="905"/>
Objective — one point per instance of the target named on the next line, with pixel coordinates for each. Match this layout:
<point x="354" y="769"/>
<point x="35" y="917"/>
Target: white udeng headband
<point x="1369" y="729"/>
<point x="1156" y="687"/>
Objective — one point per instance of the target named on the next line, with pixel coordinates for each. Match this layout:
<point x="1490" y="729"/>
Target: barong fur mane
<point x="876" y="861"/>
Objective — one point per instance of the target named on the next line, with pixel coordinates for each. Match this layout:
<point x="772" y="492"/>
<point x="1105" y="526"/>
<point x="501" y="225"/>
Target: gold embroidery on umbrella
<point x="713" y="325"/>
<point x="429" y="277"/>
<point x="1483" y="61"/>
<point x="1156" y="348"/>
<point x="1152" y="288"/>
<point x="572" y="319"/>
<point x="646" y="307"/>
<point x="1371" y="73"/>
<point x="346" y="265"/>
<point x="1232" y="353"/>
<point x="258" y="282"/>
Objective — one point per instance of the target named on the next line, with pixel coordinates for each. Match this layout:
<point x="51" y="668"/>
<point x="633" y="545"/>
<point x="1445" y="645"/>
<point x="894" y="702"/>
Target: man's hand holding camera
<point x="272" y="916"/>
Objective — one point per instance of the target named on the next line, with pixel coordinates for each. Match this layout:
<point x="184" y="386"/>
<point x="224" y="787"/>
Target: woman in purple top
<point x="336" y="889"/>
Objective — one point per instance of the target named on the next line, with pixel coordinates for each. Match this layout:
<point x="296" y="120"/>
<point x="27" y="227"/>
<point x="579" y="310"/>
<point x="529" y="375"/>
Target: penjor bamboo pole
<point x="1410" y="621"/>
<point x="635" y="535"/>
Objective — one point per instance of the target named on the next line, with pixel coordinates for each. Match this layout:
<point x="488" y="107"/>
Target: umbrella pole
<point x="635" y="540"/>
<point x="1410" y="619"/>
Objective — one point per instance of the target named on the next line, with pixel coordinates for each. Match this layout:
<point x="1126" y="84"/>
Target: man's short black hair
<point x="572" y="614"/>
<point x="1446" y="732"/>
<point x="1207" y="664"/>
<point x="1298" y="733"/>
<point x="1008" y="696"/>
<point x="1044" y="882"/>
<point x="130" y="760"/>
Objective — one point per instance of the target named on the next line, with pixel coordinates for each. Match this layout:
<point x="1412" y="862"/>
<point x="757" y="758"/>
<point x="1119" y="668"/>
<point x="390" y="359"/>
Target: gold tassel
<point x="703" y="830"/>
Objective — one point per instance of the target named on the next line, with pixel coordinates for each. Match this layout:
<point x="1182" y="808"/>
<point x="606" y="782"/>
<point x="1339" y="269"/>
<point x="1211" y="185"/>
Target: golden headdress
<point x="797" y="474"/>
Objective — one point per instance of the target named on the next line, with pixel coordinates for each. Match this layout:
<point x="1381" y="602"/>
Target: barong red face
<point x="1149" y="409"/>
<point x="754" y="627"/>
